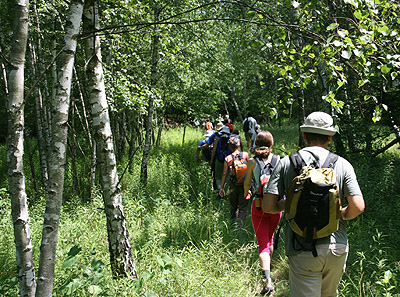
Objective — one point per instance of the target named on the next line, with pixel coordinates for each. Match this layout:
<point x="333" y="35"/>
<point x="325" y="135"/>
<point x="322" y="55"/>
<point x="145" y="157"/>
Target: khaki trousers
<point x="319" y="276"/>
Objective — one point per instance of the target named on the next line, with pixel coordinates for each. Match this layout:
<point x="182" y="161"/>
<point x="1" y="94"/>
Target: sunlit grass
<point x="182" y="239"/>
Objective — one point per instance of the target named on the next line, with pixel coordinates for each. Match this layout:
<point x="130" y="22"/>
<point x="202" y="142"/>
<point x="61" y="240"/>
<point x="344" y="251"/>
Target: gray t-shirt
<point x="252" y="124"/>
<point x="282" y="177"/>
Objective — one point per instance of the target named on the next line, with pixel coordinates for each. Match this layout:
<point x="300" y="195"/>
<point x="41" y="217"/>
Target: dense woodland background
<point x="95" y="90"/>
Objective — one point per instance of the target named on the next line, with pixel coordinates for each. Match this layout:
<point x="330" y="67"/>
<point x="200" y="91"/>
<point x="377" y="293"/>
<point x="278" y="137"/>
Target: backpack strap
<point x="240" y="155"/>
<point x="260" y="162"/>
<point x="274" y="160"/>
<point x="330" y="160"/>
<point x="297" y="161"/>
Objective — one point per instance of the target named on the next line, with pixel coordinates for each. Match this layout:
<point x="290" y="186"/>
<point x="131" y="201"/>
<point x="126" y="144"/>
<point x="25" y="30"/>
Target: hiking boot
<point x="267" y="287"/>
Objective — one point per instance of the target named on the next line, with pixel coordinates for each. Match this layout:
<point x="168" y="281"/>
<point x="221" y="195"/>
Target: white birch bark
<point x="57" y="157"/>
<point x="15" y="151"/>
<point x="118" y="238"/>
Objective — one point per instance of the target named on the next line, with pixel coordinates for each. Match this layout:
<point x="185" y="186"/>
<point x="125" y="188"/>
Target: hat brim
<point x="316" y="130"/>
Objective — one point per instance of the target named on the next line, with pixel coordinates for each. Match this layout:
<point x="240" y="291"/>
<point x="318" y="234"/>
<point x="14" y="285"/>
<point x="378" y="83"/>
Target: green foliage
<point x="183" y="242"/>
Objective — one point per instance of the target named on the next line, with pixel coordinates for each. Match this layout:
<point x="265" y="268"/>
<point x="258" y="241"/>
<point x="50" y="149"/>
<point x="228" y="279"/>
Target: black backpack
<point x="246" y="125"/>
<point x="207" y="152"/>
<point x="313" y="206"/>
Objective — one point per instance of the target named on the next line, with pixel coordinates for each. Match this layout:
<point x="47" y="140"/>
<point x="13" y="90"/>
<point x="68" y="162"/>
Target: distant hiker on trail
<point x="235" y="168"/>
<point x="226" y="123"/>
<point x="209" y="125"/>
<point x="249" y="126"/>
<point x="228" y="119"/>
<point x="259" y="170"/>
<point x="315" y="265"/>
<point x="206" y="151"/>
<point x="253" y="137"/>
<point x="210" y="143"/>
<point x="220" y="151"/>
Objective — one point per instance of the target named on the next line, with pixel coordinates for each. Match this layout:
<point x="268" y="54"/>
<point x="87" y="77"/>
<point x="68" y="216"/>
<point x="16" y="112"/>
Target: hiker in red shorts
<point x="259" y="170"/>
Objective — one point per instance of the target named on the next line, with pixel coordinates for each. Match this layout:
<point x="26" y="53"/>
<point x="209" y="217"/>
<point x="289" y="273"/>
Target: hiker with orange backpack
<point x="259" y="170"/>
<point x="235" y="168"/>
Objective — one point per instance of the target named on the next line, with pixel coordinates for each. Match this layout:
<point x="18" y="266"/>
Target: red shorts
<point x="264" y="225"/>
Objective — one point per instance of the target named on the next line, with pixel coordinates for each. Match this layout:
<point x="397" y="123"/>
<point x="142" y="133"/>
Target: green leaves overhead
<point x="263" y="54"/>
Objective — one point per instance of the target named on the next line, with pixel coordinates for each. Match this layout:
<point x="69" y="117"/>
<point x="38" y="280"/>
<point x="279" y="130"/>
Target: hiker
<point x="208" y="144"/>
<point x="249" y="125"/>
<point x="259" y="169"/>
<point x="228" y="119"/>
<point x="316" y="274"/>
<point x="235" y="175"/>
<point x="219" y="152"/>
<point x="236" y="134"/>
<point x="206" y="150"/>
<point x="209" y="125"/>
<point x="227" y="123"/>
<point x="253" y="137"/>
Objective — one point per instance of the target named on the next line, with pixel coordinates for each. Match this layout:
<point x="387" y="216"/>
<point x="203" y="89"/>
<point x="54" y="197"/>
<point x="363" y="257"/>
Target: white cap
<point x="319" y="123"/>
<point x="219" y="126"/>
<point x="226" y="130"/>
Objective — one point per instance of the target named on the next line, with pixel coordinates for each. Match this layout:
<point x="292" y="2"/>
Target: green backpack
<point x="313" y="206"/>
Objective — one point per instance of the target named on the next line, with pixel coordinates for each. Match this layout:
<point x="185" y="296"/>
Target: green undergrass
<point x="182" y="239"/>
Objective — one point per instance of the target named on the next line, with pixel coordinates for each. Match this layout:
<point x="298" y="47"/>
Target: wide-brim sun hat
<point x="219" y="126"/>
<point x="319" y="123"/>
<point x="225" y="130"/>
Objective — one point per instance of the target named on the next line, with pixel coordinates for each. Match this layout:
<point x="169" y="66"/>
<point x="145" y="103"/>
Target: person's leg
<point x="305" y="277"/>
<point x="332" y="273"/>
<point x="260" y="222"/>
<point x="234" y="201"/>
<point x="219" y="167"/>
<point x="242" y="204"/>
<point x="248" y="139"/>
<point x="272" y="223"/>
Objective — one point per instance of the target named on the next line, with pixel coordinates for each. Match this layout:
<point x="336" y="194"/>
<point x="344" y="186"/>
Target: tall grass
<point x="184" y="243"/>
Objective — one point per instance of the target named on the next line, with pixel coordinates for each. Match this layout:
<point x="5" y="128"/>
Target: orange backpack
<point x="239" y="168"/>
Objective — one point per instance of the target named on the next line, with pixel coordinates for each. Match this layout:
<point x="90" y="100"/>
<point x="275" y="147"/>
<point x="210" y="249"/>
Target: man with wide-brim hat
<point x="310" y="275"/>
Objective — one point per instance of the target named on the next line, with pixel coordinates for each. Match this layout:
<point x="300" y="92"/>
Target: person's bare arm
<point x="223" y="178"/>
<point x="206" y="145"/>
<point x="355" y="207"/>
<point x="271" y="204"/>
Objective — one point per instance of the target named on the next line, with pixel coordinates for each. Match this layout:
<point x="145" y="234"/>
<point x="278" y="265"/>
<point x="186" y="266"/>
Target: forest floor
<point x="182" y="239"/>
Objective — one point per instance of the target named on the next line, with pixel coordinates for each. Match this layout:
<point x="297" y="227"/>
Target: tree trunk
<point x="28" y="151"/>
<point x="118" y="237"/>
<point x="301" y="117"/>
<point x="39" y="121"/>
<point x="235" y="103"/>
<point x="85" y="125"/>
<point x="15" y="152"/>
<point x="150" y="108"/>
<point x="72" y="149"/>
<point x="57" y="157"/>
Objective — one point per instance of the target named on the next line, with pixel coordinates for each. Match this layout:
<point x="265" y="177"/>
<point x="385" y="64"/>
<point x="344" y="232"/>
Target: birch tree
<point x="150" y="108"/>
<point x="57" y="157"/>
<point x="118" y="237"/>
<point x="15" y="151"/>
